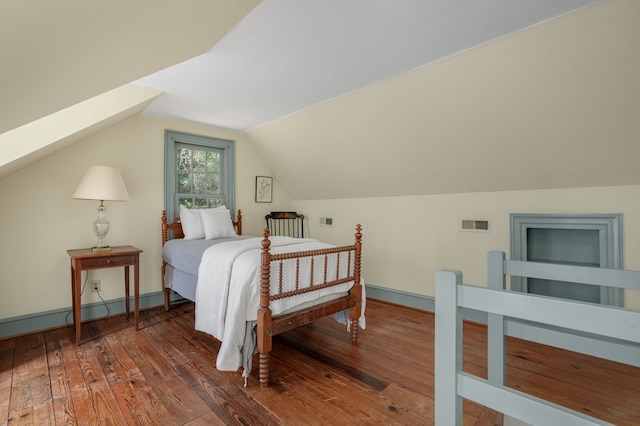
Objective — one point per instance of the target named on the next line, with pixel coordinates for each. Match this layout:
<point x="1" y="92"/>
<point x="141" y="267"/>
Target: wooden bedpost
<point x="263" y="327"/>
<point x="238" y="222"/>
<point x="356" y="290"/>
<point x="165" y="238"/>
<point x="165" y="233"/>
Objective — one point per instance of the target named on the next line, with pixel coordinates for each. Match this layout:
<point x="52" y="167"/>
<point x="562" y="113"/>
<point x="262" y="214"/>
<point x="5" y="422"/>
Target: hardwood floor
<point x="165" y="375"/>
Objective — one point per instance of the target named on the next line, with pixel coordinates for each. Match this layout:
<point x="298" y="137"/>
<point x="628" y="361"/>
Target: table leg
<point x="73" y="295"/>
<point x="136" y="290"/>
<point x="126" y="289"/>
<point x="76" y="277"/>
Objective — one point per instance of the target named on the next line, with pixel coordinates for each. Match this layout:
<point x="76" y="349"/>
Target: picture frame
<point x="264" y="189"/>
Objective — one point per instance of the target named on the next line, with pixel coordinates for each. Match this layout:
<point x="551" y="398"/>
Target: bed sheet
<point x="185" y="255"/>
<point x="181" y="282"/>
<point x="227" y="294"/>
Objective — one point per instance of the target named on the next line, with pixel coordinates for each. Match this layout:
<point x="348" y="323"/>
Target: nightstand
<point x="87" y="259"/>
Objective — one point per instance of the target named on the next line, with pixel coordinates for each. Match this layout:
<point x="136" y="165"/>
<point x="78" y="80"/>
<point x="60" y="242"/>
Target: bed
<point x="598" y="330"/>
<point x="249" y="289"/>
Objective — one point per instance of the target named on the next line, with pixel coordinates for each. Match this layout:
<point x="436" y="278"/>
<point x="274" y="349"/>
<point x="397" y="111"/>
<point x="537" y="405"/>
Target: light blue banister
<point x="584" y="342"/>
<point x="452" y="384"/>
<point x="497" y="351"/>
<point x="618" y="278"/>
<point x="448" y="351"/>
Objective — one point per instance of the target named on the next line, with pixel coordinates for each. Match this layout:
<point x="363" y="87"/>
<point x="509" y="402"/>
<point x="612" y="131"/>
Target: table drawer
<point x="108" y="262"/>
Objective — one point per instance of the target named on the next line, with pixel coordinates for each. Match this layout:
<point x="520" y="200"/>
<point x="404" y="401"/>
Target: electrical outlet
<point x="95" y="285"/>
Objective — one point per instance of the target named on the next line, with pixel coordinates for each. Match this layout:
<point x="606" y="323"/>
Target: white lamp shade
<point x="102" y="183"/>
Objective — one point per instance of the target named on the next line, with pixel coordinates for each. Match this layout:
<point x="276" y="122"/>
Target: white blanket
<point x="228" y="290"/>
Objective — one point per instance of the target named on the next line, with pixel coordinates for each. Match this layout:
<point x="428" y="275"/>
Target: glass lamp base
<point x="101" y="228"/>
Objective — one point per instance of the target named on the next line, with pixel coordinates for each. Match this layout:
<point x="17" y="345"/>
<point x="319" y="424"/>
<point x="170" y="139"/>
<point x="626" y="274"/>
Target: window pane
<point x="214" y="202"/>
<point x="213" y="161"/>
<point x="199" y="161"/>
<point x="213" y="184"/>
<point x="200" y="203"/>
<point x="183" y="183"/>
<point x="183" y="160"/>
<point x="199" y="183"/>
<point x="187" y="202"/>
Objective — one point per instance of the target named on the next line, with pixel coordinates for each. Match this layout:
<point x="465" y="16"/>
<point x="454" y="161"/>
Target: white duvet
<point x="228" y="290"/>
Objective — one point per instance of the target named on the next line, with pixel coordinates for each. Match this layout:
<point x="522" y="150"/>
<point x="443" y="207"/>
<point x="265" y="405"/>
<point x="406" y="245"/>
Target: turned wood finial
<point x="239" y="222"/>
<point x="165" y="234"/>
<point x="265" y="270"/>
<point x="358" y="253"/>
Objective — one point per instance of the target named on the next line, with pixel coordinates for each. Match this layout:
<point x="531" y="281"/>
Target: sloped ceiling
<point x="289" y="55"/>
<point x="58" y="53"/>
<point x="346" y="83"/>
<point x="553" y="106"/>
<point x="67" y="65"/>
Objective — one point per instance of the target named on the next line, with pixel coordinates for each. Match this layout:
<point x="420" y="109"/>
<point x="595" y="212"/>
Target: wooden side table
<point x="86" y="259"/>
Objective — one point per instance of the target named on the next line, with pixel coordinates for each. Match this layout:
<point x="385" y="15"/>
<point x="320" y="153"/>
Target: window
<point x="199" y="172"/>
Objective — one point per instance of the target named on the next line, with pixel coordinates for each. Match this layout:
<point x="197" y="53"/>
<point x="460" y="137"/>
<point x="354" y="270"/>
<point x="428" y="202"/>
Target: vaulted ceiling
<point x="286" y="56"/>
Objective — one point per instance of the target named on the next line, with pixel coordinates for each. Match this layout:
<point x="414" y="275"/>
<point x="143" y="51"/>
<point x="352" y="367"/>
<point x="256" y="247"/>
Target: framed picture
<point x="264" y="189"/>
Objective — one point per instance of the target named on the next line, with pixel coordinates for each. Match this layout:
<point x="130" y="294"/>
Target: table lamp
<point x="103" y="184"/>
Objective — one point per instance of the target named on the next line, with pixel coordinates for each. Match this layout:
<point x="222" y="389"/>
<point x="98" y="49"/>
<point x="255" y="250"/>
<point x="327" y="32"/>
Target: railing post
<point x="496" y="344"/>
<point x="448" y="349"/>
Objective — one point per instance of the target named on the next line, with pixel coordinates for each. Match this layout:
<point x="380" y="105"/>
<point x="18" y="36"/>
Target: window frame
<point x="227" y="184"/>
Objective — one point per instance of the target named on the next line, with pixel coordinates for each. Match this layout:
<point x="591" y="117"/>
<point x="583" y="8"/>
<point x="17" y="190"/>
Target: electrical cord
<point x="105" y="304"/>
<point x="84" y="285"/>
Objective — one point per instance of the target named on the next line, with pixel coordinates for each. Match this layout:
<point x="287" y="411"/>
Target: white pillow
<point x="191" y="223"/>
<point x="217" y="224"/>
<point x="191" y="220"/>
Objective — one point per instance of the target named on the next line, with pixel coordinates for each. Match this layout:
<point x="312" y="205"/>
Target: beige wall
<point x="407" y="239"/>
<point x="40" y="220"/>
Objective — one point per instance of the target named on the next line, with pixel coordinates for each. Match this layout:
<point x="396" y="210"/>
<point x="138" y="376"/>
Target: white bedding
<point x="228" y="290"/>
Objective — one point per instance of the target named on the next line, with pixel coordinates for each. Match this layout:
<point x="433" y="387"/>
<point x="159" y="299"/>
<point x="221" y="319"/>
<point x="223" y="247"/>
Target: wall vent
<point x="326" y="221"/>
<point x="475" y="225"/>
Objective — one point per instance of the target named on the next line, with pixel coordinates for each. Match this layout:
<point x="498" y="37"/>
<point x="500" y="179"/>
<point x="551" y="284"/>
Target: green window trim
<point x="225" y="178"/>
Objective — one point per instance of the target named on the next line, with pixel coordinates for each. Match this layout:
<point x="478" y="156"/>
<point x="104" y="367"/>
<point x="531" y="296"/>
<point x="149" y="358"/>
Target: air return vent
<point x="475" y="225"/>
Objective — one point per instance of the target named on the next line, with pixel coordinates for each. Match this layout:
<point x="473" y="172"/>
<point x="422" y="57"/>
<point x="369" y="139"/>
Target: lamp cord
<point x="84" y="285"/>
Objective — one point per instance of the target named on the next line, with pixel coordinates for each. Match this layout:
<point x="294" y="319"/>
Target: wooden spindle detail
<point x="263" y="327"/>
<point x="238" y="222"/>
<point x="356" y="290"/>
<point x="326" y="264"/>
<point x="263" y="360"/>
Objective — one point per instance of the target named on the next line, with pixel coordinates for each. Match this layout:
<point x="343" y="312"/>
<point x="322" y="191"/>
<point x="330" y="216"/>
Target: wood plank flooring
<point x="165" y="375"/>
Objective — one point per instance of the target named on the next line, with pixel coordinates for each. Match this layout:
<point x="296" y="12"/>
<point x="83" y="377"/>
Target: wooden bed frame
<point x="267" y="325"/>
